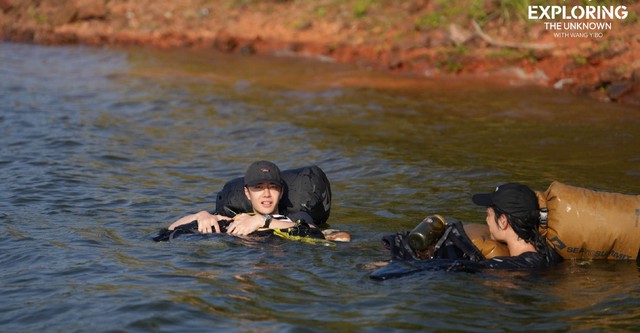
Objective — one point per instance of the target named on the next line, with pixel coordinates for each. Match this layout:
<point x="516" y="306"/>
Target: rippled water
<point x="100" y="148"/>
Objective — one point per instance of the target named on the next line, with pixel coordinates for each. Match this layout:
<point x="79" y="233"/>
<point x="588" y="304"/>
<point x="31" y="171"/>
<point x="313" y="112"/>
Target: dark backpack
<point x="454" y="244"/>
<point x="306" y="189"/>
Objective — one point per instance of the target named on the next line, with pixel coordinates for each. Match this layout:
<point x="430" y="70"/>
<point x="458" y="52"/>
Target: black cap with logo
<point x="511" y="198"/>
<point x="262" y="172"/>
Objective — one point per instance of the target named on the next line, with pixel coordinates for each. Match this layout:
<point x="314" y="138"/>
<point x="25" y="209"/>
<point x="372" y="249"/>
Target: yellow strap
<point x="306" y="239"/>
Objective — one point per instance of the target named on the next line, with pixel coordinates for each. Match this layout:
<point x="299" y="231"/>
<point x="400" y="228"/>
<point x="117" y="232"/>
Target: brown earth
<point x="428" y="38"/>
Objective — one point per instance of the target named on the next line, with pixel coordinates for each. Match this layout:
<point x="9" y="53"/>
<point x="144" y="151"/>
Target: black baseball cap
<point x="511" y="198"/>
<point x="262" y="172"/>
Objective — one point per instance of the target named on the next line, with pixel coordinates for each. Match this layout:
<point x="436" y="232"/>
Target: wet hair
<point x="527" y="227"/>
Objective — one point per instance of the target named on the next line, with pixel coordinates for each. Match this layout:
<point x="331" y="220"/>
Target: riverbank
<point x="425" y="38"/>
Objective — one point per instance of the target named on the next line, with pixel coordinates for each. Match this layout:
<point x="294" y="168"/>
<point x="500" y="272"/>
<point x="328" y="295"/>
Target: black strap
<point x="455" y="244"/>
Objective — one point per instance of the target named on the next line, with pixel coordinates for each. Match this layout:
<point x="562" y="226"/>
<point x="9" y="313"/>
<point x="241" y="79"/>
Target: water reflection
<point x="101" y="147"/>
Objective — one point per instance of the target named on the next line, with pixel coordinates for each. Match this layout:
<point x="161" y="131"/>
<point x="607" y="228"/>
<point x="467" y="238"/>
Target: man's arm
<point x="244" y="224"/>
<point x="207" y="222"/>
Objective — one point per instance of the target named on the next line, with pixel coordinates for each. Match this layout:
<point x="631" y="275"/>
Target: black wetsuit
<point x="527" y="260"/>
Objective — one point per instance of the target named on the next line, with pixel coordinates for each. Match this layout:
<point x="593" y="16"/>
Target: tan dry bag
<point x="587" y="224"/>
<point x="481" y="238"/>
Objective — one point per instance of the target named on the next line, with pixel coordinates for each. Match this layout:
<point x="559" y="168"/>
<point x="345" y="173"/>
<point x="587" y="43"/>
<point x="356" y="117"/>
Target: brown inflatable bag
<point x="481" y="238"/>
<point x="588" y="224"/>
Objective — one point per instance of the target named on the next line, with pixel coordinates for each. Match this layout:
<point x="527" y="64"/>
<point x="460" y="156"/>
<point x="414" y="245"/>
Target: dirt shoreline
<point x="384" y="35"/>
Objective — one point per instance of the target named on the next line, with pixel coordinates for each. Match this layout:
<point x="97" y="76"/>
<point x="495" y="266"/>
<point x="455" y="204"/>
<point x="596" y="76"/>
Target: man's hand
<point x="207" y="222"/>
<point x="244" y="224"/>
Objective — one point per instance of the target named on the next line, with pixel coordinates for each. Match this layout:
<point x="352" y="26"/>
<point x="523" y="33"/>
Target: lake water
<point x="100" y="148"/>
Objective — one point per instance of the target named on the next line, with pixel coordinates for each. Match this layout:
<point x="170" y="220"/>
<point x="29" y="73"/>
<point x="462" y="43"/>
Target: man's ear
<point x="503" y="223"/>
<point x="246" y="193"/>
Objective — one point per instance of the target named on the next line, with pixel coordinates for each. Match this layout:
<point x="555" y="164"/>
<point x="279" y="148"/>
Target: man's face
<point x="495" y="227"/>
<point x="491" y="222"/>
<point x="264" y="197"/>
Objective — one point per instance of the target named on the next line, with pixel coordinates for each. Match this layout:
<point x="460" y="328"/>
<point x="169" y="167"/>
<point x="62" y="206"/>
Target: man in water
<point x="513" y="217"/>
<point x="263" y="186"/>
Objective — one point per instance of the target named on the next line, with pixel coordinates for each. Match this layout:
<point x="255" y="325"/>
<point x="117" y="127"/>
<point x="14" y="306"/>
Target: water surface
<point x="101" y="147"/>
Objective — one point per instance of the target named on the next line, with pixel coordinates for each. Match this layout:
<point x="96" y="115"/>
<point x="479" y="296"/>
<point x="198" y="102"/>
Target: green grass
<point x="479" y="10"/>
<point x="451" y="60"/>
<point x="361" y="7"/>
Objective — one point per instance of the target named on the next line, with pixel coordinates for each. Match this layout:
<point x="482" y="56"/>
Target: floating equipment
<point x="427" y="233"/>
<point x="306" y="189"/>
<point x="587" y="224"/>
<point x="452" y="243"/>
